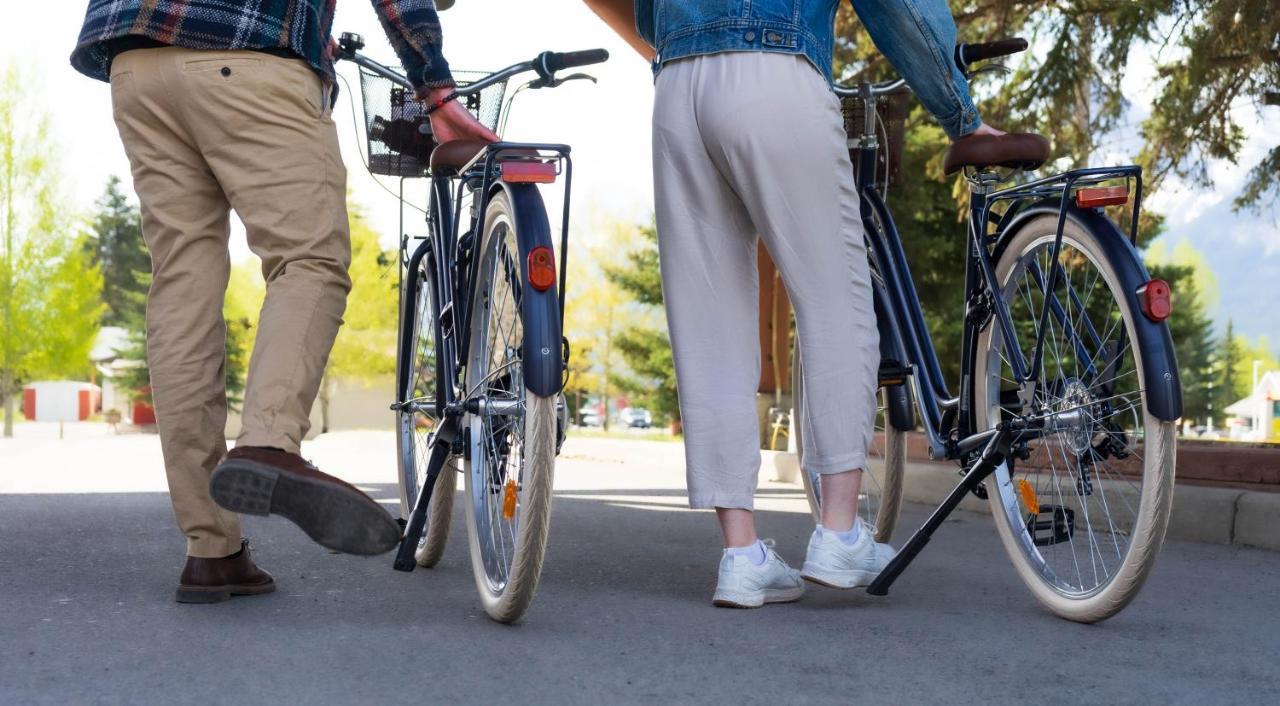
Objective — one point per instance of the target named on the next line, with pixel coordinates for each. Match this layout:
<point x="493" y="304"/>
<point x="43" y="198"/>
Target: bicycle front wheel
<point x="880" y="498"/>
<point x="418" y="374"/>
<point x="1083" y="515"/>
<point x="510" y="457"/>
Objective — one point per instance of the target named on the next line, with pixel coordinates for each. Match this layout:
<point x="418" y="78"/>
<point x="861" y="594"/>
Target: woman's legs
<point x="840" y="499"/>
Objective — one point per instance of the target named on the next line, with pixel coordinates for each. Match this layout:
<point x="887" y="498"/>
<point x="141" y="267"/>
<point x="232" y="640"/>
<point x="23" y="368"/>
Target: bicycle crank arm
<point x="441" y="445"/>
<point x="993" y="454"/>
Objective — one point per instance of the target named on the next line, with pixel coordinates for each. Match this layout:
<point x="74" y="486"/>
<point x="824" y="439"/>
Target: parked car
<point x="590" y="417"/>
<point x="637" y="418"/>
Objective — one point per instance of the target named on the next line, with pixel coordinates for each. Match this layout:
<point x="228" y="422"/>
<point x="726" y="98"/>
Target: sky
<point x="608" y="126"/>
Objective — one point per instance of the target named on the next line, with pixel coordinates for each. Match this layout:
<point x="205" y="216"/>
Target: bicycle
<point x="481" y="357"/>
<point x="1069" y="386"/>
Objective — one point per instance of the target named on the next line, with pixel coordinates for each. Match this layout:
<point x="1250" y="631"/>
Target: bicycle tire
<point x="1147" y="530"/>
<point x="412" y="430"/>
<point x="506" y="576"/>
<point x="883" y="495"/>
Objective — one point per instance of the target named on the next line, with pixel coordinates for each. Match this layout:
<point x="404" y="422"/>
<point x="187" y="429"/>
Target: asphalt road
<point x="623" y="614"/>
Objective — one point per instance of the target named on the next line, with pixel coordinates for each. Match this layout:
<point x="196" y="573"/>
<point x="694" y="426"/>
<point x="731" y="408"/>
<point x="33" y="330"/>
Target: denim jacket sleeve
<point x="919" y="38"/>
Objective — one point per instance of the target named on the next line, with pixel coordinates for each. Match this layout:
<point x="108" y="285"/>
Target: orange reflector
<point x="1154" y="296"/>
<point x="1102" y="196"/>
<point x="1028" y="496"/>
<point x="529" y="172"/>
<point x="509" y="499"/>
<point x="542" y="268"/>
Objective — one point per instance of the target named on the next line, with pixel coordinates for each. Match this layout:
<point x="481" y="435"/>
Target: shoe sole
<point x="335" y="517"/>
<point x="219" y="594"/>
<point x="772" y="595"/>
<point x="838" y="579"/>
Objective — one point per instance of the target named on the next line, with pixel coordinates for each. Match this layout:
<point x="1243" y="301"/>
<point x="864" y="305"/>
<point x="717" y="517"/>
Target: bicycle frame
<point x="947" y="420"/>
<point x="454" y="271"/>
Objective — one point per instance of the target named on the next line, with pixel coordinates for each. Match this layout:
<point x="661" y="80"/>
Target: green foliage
<point x="646" y="349"/>
<point x="366" y="344"/>
<point x="117" y="248"/>
<point x="1227" y="55"/>
<point x="49" y="288"/>
<point x="1230" y="385"/>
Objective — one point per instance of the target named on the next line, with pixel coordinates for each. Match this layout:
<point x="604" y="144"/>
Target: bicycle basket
<point x="396" y="126"/>
<point x="892" y="109"/>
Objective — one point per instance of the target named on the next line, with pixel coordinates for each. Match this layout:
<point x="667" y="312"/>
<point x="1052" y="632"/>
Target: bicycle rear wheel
<point x="880" y="499"/>
<point x="1084" y="516"/>
<point x="419" y="376"/>
<point x="512" y="440"/>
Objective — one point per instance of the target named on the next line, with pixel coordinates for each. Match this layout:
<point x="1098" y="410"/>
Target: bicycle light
<point x="528" y="172"/>
<point x="542" y="268"/>
<point x="1154" y="296"/>
<point x="1102" y="196"/>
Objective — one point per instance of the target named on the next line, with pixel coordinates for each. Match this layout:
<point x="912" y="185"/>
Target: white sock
<point x="848" y="538"/>
<point x="754" y="552"/>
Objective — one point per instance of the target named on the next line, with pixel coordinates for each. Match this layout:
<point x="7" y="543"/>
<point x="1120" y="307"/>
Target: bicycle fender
<point x="542" y="350"/>
<point x="1160" y="366"/>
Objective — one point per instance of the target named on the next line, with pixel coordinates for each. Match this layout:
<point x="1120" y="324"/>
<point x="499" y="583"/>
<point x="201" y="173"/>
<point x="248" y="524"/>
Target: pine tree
<point x="119" y="251"/>
<point x="646" y="349"/>
<point x="1229" y="383"/>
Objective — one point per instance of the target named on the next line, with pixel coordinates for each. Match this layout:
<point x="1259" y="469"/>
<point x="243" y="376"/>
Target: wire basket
<point x="396" y="125"/>
<point x="891" y="111"/>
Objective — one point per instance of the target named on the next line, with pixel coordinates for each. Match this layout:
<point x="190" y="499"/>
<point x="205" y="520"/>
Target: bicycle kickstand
<point x="441" y="444"/>
<point x="993" y="454"/>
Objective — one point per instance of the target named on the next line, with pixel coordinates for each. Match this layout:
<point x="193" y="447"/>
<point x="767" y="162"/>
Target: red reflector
<point x="1102" y="196"/>
<point x="542" y="268"/>
<point x="528" y="172"/>
<point x="1154" y="296"/>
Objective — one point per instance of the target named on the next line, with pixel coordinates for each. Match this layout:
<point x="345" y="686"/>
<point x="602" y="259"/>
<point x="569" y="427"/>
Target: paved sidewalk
<point x="89" y="557"/>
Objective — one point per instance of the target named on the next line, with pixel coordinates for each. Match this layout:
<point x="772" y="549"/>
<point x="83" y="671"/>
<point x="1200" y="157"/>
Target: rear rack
<point x="1062" y="186"/>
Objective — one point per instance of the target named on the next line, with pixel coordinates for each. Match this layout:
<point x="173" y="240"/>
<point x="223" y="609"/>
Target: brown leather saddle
<point x="448" y="157"/>
<point x="1020" y="150"/>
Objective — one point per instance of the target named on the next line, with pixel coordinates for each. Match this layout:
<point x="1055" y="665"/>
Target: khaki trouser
<point x="749" y="144"/>
<point x="207" y="132"/>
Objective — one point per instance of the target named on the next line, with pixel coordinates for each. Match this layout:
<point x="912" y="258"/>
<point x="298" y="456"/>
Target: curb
<point x="1245" y="518"/>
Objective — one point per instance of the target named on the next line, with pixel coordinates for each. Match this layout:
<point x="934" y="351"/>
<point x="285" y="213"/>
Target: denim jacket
<point x="917" y="36"/>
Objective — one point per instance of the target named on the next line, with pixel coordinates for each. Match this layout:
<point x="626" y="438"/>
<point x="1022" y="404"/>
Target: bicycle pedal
<point x="1053" y="525"/>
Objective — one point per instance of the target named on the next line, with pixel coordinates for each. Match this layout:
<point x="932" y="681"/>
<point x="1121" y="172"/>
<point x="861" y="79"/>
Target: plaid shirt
<point x="302" y="26"/>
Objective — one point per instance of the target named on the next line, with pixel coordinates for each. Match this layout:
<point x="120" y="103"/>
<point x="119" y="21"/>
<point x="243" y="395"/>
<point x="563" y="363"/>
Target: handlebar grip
<point x="556" y="61"/>
<point x="969" y="53"/>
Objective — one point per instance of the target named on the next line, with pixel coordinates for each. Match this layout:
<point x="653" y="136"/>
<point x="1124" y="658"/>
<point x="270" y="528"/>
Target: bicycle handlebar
<point x="965" y="55"/>
<point x="555" y="61"/>
<point x="970" y="53"/>
<point x="545" y="65"/>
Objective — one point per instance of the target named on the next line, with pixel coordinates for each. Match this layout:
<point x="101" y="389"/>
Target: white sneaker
<point x="742" y="584"/>
<point x="833" y="563"/>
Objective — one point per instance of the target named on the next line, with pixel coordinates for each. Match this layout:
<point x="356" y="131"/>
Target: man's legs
<point x="266" y="133"/>
<point x="274" y="147"/>
<point x="184" y="222"/>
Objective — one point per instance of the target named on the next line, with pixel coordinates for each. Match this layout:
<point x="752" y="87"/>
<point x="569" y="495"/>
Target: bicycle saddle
<point x="1023" y="150"/>
<point x="448" y="157"/>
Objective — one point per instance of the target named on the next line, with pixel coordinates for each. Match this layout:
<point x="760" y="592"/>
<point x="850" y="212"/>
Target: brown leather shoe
<point x="217" y="580"/>
<point x="264" y="481"/>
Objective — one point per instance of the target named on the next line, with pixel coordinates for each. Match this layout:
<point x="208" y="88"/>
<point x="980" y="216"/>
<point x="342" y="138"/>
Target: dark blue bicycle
<point x="481" y="357"/>
<point x="1069" y="387"/>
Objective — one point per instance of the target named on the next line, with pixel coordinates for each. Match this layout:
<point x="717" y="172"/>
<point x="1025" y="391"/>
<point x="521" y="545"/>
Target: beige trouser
<point x="748" y="144"/>
<point x="207" y="132"/>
